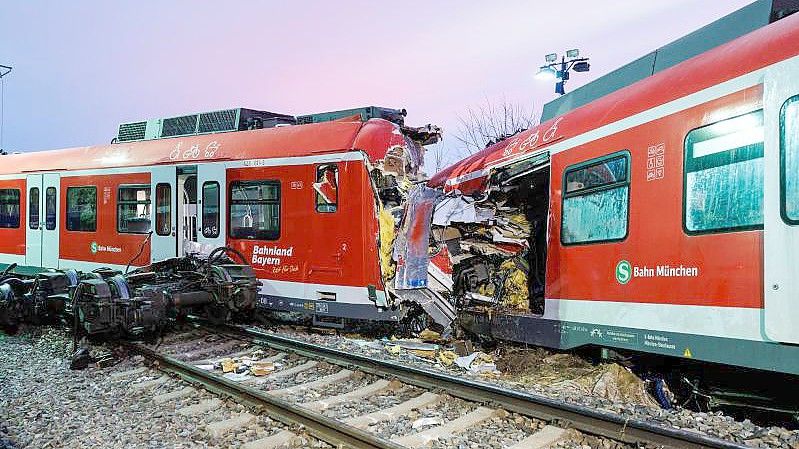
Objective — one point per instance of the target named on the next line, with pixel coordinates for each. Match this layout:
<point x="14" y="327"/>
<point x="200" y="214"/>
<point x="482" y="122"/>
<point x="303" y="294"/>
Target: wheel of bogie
<point x="217" y="314"/>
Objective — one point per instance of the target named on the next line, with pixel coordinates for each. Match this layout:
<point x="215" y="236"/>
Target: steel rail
<point x="587" y="420"/>
<point x="320" y="426"/>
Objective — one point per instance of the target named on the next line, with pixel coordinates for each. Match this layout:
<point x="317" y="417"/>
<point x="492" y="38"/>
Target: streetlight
<point x="4" y="70"/>
<point x="560" y="70"/>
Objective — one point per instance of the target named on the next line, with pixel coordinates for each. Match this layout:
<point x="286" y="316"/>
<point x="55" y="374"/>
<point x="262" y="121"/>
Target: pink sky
<point x="81" y="68"/>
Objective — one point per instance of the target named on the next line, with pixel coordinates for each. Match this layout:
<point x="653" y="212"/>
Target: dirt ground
<point x="572" y="374"/>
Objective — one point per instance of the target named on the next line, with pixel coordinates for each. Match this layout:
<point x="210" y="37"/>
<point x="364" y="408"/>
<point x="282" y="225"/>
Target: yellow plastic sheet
<point x="387" y="235"/>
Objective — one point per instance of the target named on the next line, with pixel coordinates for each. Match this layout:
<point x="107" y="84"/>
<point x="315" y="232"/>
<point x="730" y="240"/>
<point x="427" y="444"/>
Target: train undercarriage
<point x="107" y="302"/>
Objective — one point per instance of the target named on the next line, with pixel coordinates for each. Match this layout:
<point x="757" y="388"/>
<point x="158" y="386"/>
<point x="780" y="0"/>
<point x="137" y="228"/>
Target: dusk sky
<point x="82" y="67"/>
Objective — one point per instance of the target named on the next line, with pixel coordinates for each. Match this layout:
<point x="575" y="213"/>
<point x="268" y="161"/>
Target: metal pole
<point x="4" y="70"/>
<point x="563" y="75"/>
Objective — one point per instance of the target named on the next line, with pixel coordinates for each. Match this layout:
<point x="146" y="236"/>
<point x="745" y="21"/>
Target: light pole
<point x="4" y="70"/>
<point x="560" y="70"/>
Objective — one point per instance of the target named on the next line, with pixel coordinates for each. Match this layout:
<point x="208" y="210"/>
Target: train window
<point x="723" y="181"/>
<point x="789" y="160"/>
<point x="82" y="209"/>
<point x="596" y="200"/>
<point x="210" y="217"/>
<point x="33" y="208"/>
<point x="326" y="187"/>
<point x="9" y="208"/>
<point x="163" y="209"/>
<point x="133" y="209"/>
<point x="255" y="210"/>
<point x="50" y="208"/>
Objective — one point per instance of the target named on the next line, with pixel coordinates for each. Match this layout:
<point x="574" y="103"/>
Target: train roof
<point x="760" y="48"/>
<point x="374" y="137"/>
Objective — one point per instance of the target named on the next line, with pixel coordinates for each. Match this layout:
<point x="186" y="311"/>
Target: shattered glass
<point x="596" y="216"/>
<point x="789" y="144"/>
<point x="724" y="174"/>
<point x="729" y="196"/>
<point x="596" y="175"/>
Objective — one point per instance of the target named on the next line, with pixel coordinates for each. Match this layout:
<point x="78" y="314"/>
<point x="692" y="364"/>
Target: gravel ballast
<point x="712" y="424"/>
<point x="44" y="404"/>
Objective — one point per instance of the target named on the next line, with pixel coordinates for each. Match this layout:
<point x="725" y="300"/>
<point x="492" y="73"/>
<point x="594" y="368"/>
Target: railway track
<point x="348" y="400"/>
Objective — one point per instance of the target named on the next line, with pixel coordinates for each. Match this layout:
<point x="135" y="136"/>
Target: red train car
<point x="668" y="213"/>
<point x="299" y="202"/>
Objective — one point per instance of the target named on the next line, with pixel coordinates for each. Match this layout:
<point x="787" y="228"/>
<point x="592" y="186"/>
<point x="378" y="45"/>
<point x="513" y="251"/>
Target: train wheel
<point x="217" y="314"/>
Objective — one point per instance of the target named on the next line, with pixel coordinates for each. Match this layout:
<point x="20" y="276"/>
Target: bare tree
<point x="437" y="158"/>
<point x="490" y="123"/>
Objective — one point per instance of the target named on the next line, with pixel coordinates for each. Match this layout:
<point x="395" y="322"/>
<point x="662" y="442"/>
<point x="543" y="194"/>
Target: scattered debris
<point x="105" y="359"/>
<point x="81" y="359"/>
<point x="430" y="336"/>
<point x="426" y="422"/>
<point x="447" y="358"/>
<point x="262" y="368"/>
<point x="486" y="249"/>
<point x="478" y="363"/>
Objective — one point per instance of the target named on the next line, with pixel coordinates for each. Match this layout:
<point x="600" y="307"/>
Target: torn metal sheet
<point x="411" y="251"/>
<point x="460" y="209"/>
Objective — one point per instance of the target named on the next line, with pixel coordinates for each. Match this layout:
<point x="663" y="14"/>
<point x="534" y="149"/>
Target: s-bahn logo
<point x="624" y="272"/>
<point x="95" y="248"/>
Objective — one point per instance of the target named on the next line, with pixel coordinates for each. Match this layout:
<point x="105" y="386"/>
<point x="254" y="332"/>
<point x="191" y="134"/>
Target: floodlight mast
<point x="560" y="70"/>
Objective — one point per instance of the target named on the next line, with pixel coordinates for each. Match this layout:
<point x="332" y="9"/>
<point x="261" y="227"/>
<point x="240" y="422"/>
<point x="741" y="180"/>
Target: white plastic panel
<point x="781" y="238"/>
<point x="163" y="243"/>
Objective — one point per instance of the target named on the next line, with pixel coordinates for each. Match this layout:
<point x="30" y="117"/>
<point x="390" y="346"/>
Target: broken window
<point x="255" y="210"/>
<point x="724" y="175"/>
<point x="596" y="200"/>
<point x="133" y="209"/>
<point x="326" y="187"/>
<point x="9" y="208"/>
<point x="82" y="209"/>
<point x="789" y="154"/>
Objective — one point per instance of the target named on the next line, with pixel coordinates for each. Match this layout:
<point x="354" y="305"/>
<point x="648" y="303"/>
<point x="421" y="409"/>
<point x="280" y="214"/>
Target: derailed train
<point x="660" y="218"/>
<point x="300" y="200"/>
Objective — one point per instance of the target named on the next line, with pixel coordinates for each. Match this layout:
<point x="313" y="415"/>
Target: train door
<point x="33" y="232"/>
<point x="326" y="229"/>
<point x="41" y="231"/>
<point x="781" y="202"/>
<point x="212" y="201"/>
<point x="187" y="209"/>
<point x="51" y="183"/>
<point x="164" y="238"/>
